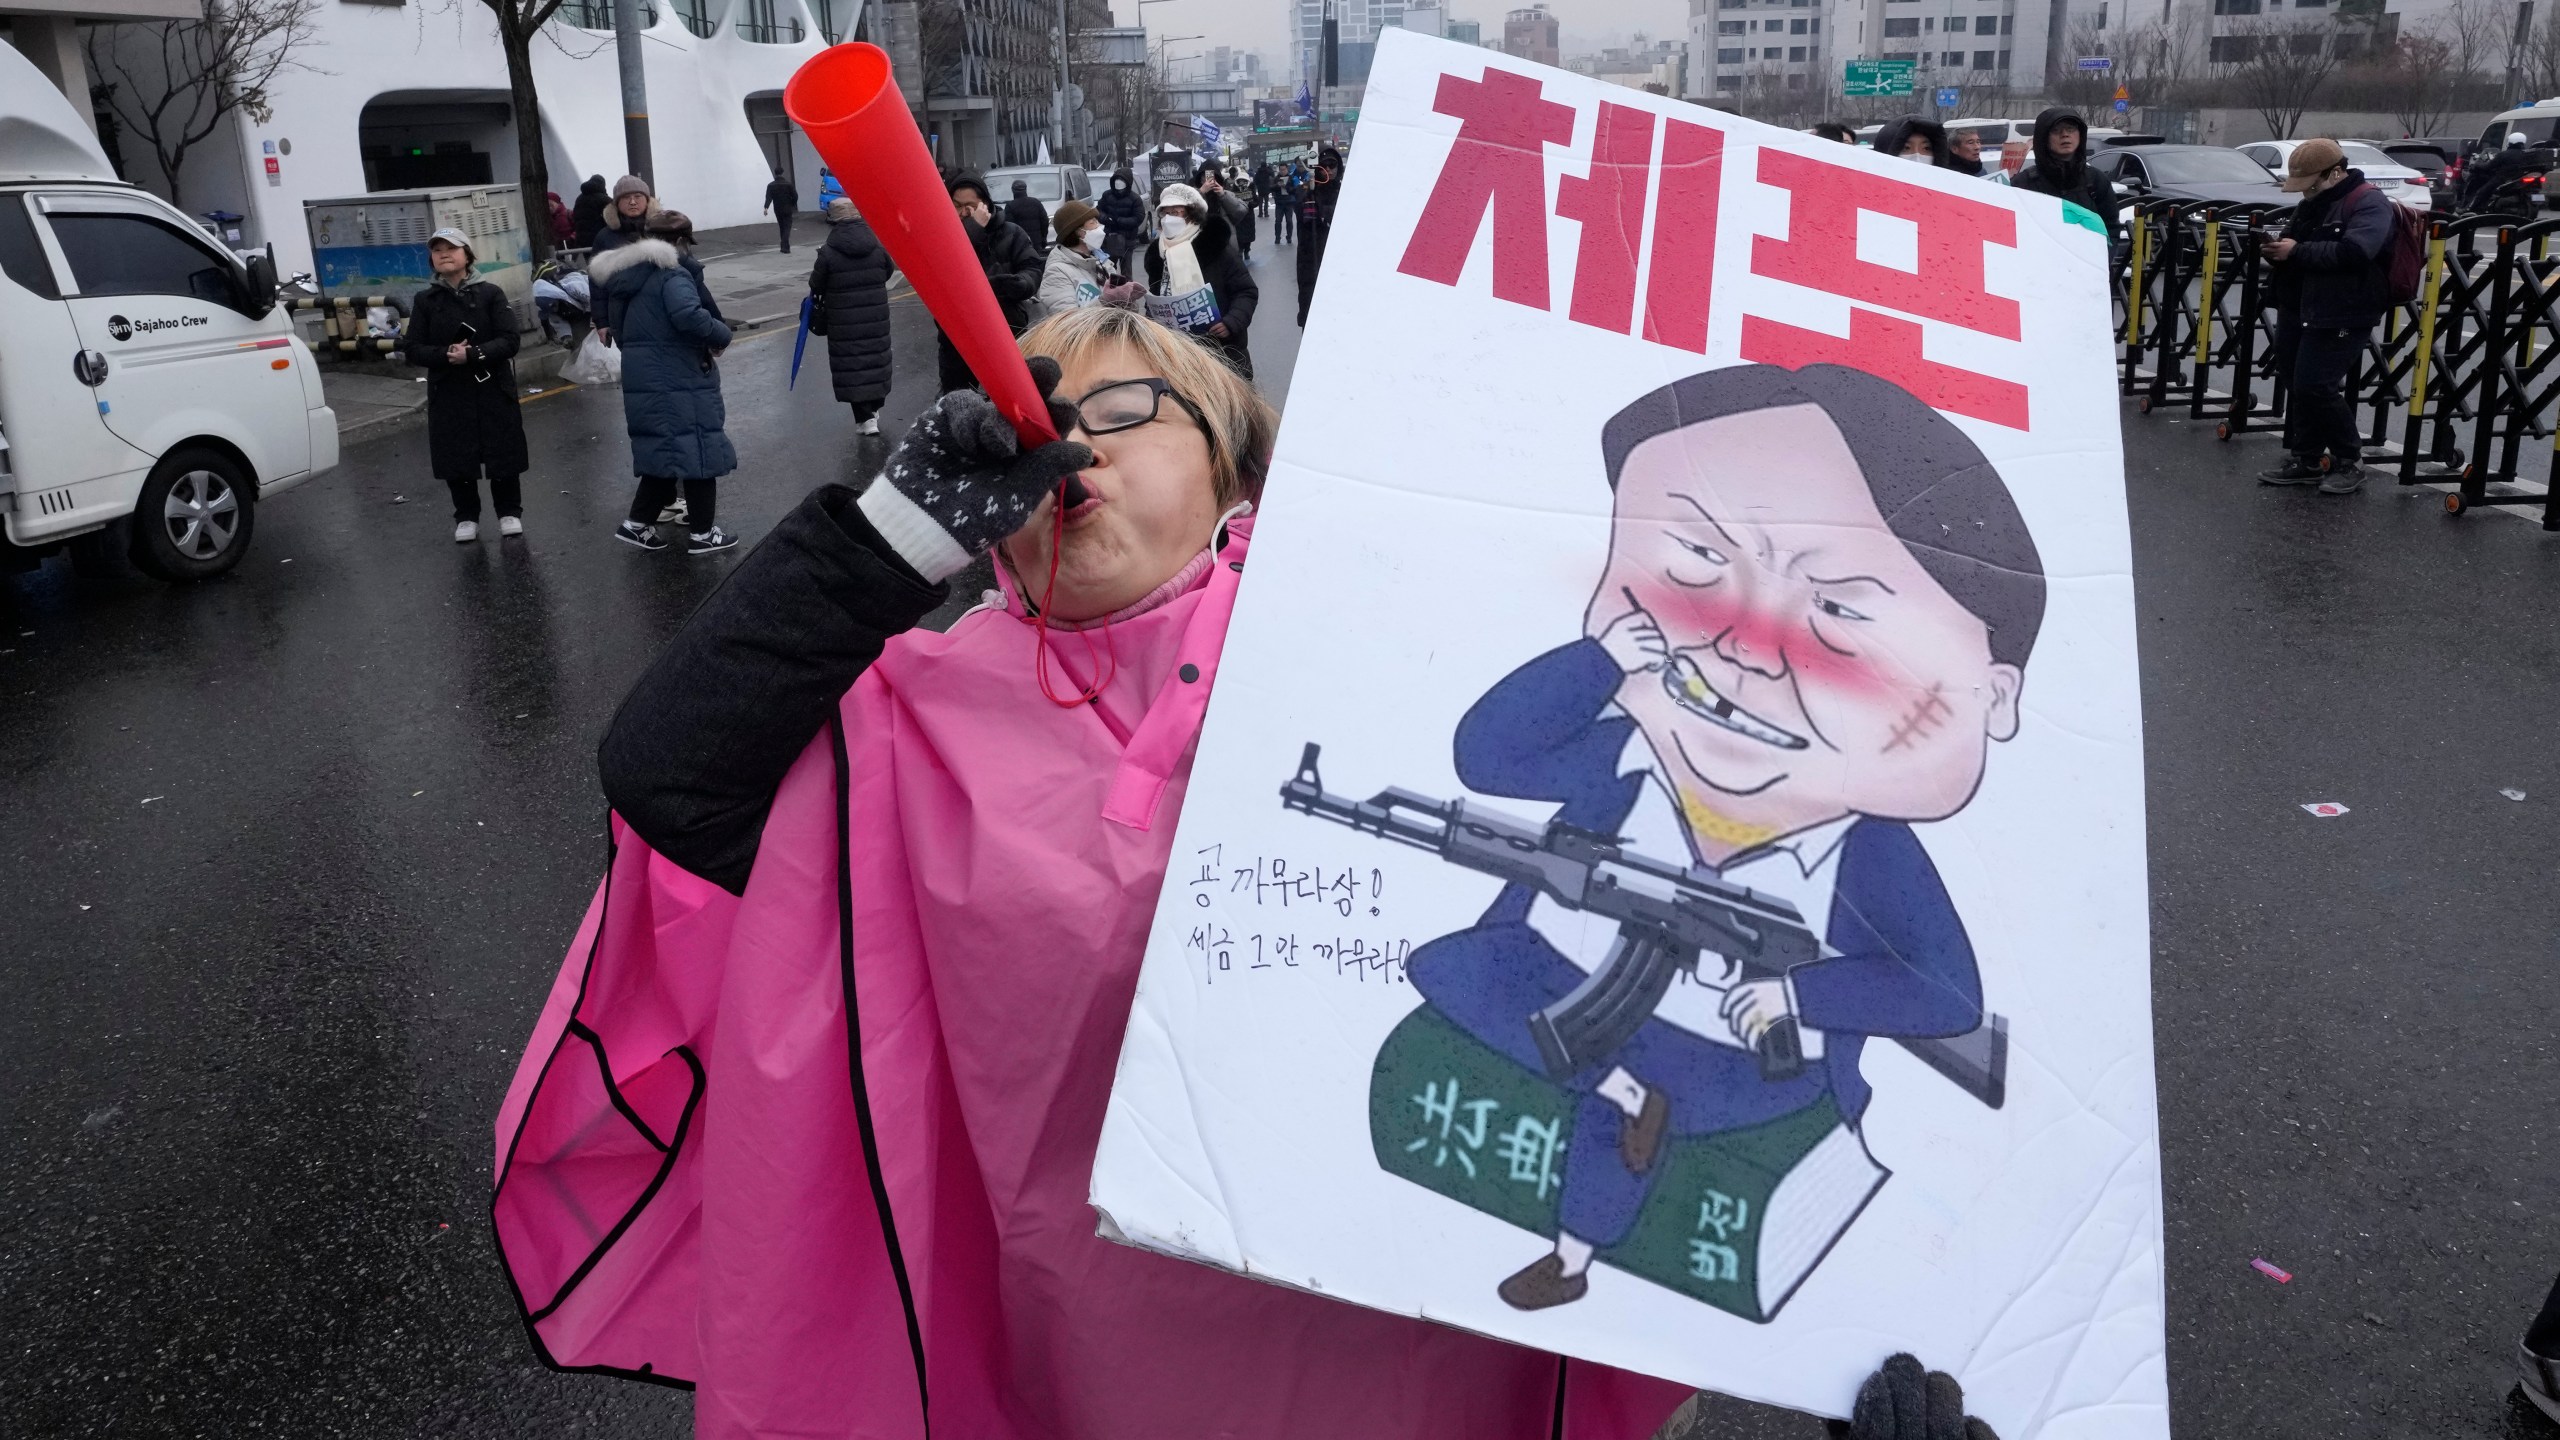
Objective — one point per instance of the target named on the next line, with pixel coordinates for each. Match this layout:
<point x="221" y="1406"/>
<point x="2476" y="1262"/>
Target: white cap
<point x="450" y="236"/>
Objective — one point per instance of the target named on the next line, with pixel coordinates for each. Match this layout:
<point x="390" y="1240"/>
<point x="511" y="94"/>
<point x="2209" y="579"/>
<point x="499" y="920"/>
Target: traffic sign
<point x="2123" y="94"/>
<point x="2122" y="106"/>
<point x="1947" y="97"/>
<point x="2096" y="62"/>
<point x="1877" y="77"/>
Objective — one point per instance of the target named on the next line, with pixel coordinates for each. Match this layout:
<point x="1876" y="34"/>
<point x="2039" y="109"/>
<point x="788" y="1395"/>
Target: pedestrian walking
<point x="1288" y="188"/>
<point x="628" y="220"/>
<point x="1124" y="219"/>
<point x="1195" y="249"/>
<point x="1315" y="223"/>
<point x="671" y="342"/>
<point x="804" y="750"/>
<point x="462" y="332"/>
<point x="1028" y="215"/>
<point x="1010" y="260"/>
<point x="586" y="217"/>
<point x="2331" y="273"/>
<point x="1079" y="273"/>
<point x="783" y="199"/>
<point x="2058" y="165"/>
<point x="830" y="189"/>
<point x="850" y="288"/>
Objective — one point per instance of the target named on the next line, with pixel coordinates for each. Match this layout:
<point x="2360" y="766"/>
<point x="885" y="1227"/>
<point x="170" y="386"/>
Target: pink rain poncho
<point x="703" y="1179"/>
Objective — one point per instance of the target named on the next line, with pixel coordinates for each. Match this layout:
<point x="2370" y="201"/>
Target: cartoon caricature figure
<point x="1813" y="624"/>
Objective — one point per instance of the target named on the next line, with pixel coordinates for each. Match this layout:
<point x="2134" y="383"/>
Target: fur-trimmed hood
<point x="603" y="268"/>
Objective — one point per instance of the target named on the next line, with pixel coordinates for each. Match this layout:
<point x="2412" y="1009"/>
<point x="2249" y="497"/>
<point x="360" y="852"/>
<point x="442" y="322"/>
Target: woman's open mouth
<point x="1689" y="687"/>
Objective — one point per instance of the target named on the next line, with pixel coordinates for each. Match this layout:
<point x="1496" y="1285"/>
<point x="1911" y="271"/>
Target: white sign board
<point x="1717" y="536"/>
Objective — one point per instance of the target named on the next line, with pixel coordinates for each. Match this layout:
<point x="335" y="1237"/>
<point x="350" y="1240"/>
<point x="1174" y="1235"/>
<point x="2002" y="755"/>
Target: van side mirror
<point x="261" y="288"/>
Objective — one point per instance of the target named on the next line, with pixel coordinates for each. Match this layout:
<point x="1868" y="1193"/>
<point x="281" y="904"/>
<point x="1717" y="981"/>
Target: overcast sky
<point x="1263" y="24"/>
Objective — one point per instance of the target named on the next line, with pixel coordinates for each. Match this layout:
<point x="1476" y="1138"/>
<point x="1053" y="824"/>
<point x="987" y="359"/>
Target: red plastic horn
<point x="847" y="101"/>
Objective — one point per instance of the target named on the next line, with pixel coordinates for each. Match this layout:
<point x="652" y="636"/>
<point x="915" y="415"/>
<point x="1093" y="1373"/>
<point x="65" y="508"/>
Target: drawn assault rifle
<point x="1667" y="915"/>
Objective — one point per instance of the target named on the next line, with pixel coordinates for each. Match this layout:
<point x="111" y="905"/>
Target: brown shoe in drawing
<point x="1543" y="1286"/>
<point x="1640" y="1139"/>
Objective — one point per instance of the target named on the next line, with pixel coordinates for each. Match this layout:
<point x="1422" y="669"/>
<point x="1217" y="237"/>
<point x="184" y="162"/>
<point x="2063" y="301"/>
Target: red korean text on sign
<point x="1684" y="237"/>
<point x="1820" y="252"/>
<point x="1499" y="164"/>
<point x="1610" y="204"/>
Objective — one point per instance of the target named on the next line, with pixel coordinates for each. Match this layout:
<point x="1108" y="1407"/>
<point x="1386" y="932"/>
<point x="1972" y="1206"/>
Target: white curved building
<point x="413" y="93"/>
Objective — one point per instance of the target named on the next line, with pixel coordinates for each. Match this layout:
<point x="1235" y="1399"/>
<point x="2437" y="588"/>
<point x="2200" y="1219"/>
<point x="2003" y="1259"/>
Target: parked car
<point x="152" y="396"/>
<point x="2187" y="172"/>
<point x="1051" y="185"/>
<point x="2404" y="183"/>
<point x="2427" y="159"/>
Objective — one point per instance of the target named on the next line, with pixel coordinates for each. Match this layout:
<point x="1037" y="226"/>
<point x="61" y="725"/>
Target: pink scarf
<point x="722" y="1213"/>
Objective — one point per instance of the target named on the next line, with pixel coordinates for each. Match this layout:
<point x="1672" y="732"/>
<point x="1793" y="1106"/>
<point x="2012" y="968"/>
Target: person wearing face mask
<point x="1124" y="219"/>
<point x="1079" y="273"/>
<point x="1010" y="260"/>
<point x="1194" y="250"/>
<point x="2059" y="166"/>
<point x="1912" y="138"/>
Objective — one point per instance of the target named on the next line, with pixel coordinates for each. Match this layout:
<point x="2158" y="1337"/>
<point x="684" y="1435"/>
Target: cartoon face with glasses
<point x="1813" y="624"/>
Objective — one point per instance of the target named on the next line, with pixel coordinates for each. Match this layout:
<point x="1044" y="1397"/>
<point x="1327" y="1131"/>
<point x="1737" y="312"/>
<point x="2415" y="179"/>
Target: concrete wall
<point x="707" y="160"/>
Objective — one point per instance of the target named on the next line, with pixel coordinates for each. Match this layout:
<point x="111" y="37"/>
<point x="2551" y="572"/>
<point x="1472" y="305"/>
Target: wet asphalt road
<point x="292" y="857"/>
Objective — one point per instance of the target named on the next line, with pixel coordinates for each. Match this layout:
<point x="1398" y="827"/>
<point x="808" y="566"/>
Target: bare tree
<point x="2417" y="79"/>
<point x="170" y="82"/>
<point x="2278" y="69"/>
<point x="519" y="21"/>
<point x="2538" y="65"/>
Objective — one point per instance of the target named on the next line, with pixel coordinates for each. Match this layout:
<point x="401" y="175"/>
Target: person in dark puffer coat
<point x="851" y="286"/>
<point x="586" y="217"/>
<point x="671" y="402"/>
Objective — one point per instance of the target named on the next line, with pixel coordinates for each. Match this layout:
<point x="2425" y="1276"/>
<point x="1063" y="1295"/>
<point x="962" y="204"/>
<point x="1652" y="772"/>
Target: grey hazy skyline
<point x="1263" y="24"/>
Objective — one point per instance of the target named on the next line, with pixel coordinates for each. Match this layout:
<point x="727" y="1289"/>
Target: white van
<point x="146" y="373"/>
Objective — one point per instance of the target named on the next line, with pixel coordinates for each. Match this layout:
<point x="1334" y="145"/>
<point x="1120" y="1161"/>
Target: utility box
<point x="377" y="244"/>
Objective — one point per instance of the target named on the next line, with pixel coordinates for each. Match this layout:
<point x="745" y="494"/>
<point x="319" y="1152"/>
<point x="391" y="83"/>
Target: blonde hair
<point x="1240" y="423"/>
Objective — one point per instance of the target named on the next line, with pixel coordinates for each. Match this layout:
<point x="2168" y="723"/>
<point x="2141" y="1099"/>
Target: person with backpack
<point x="2332" y="276"/>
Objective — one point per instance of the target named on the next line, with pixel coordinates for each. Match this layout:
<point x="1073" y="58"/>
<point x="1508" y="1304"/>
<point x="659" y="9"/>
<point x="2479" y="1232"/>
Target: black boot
<point x="2296" y="470"/>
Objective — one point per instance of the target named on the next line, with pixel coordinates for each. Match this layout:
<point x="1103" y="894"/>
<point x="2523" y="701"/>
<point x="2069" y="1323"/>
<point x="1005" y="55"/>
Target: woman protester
<point x="628" y="220"/>
<point x="671" y="339"/>
<point x="1214" y="187"/>
<point x="850" y="285"/>
<point x="1193" y="249"/>
<point x="2060" y="166"/>
<point x="1079" y="273"/>
<point x="1124" y="219"/>
<point x="808" y="1120"/>
<point x="1912" y="138"/>
<point x="462" y="332"/>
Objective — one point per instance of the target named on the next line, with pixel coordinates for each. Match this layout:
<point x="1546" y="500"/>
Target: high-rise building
<point x="1361" y="21"/>
<point x="1531" y="35"/>
<point x="1465" y="32"/>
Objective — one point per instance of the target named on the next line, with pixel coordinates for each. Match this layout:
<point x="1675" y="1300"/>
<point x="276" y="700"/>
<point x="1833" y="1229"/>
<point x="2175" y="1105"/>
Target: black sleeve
<point x="497" y="339"/>
<point x="417" y="345"/>
<point x="700" y="745"/>
<point x="1243" y="295"/>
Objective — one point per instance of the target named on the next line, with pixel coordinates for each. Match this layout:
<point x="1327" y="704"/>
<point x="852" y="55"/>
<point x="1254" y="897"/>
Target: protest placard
<point x="1711" y="938"/>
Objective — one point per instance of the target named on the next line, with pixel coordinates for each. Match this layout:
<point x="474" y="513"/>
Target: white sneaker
<point x="871" y="426"/>
<point x="672" y="515"/>
<point x="510" y="525"/>
<point x="466" y="531"/>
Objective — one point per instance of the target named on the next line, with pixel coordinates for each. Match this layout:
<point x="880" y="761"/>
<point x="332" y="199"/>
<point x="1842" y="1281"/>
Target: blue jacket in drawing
<point x="1897" y="961"/>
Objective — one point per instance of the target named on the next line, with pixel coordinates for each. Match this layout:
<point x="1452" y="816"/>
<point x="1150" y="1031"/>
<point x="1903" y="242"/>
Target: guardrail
<point x="2451" y="387"/>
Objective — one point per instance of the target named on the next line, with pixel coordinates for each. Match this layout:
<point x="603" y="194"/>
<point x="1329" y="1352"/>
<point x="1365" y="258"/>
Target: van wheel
<point x="194" y="518"/>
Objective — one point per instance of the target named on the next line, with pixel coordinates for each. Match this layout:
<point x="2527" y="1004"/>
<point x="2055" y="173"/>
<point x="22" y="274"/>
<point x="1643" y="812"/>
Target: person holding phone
<point x="462" y="332"/>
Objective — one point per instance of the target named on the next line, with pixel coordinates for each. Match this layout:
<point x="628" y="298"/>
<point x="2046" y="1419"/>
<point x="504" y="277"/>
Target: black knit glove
<point x="1902" y="1401"/>
<point x="961" y="468"/>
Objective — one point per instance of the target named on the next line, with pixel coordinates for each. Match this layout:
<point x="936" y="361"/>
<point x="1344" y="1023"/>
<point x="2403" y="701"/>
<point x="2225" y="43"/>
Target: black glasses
<point x="1128" y="404"/>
